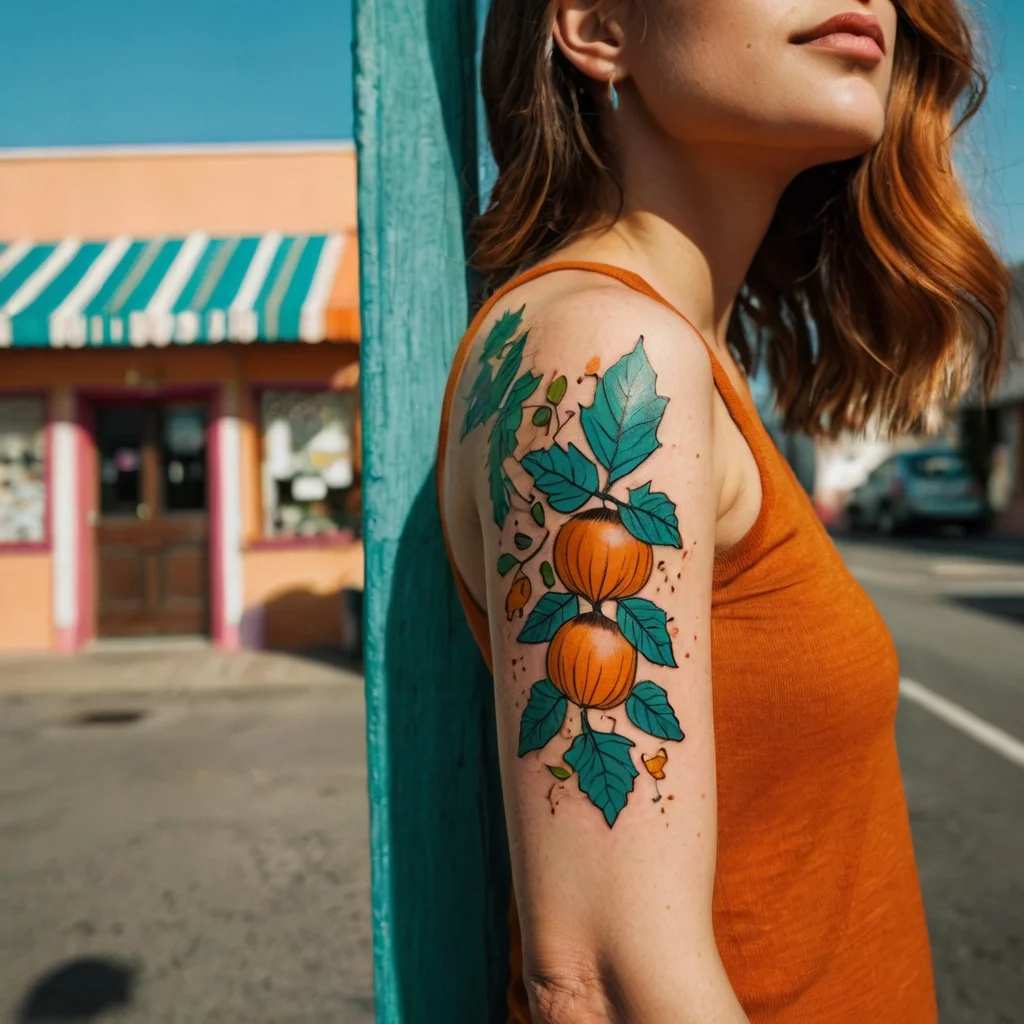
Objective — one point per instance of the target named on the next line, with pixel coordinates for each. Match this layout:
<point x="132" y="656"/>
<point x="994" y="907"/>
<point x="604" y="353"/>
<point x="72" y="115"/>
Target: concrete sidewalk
<point x="172" y="667"/>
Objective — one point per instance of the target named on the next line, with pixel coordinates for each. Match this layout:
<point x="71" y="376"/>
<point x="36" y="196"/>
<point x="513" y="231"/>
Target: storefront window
<point x="309" y="479"/>
<point x="22" y="472"/>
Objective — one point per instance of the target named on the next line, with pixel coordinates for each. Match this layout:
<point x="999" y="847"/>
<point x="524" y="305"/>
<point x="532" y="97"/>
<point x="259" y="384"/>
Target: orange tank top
<point x="817" y="905"/>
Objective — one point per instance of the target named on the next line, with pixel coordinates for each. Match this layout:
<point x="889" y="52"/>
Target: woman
<point x="695" y="699"/>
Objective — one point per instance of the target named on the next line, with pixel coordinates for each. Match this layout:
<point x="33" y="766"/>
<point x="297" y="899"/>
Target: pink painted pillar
<point x="65" y="511"/>
<point x="225" y="455"/>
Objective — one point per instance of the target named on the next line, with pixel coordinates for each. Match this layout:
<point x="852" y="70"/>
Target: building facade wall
<point x="264" y="591"/>
<point x="26" y="601"/>
<point x="146" y="192"/>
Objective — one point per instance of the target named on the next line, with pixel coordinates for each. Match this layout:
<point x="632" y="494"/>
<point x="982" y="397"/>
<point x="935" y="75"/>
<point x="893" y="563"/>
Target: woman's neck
<point x="692" y="221"/>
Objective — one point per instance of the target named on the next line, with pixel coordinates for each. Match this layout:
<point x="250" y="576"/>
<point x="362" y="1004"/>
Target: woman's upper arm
<point x="592" y="441"/>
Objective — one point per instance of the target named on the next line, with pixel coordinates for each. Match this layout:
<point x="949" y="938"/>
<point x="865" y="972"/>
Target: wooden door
<point x="152" y="534"/>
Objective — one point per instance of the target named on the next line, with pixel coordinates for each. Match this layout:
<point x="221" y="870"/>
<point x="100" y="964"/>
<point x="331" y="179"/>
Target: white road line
<point x="943" y="586"/>
<point x="990" y="588"/>
<point x="969" y="724"/>
<point x="973" y="569"/>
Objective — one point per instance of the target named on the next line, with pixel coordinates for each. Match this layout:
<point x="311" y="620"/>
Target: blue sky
<point x="93" y="72"/>
<point x="994" y="149"/>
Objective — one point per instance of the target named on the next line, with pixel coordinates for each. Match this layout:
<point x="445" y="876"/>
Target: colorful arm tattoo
<point x="603" y="553"/>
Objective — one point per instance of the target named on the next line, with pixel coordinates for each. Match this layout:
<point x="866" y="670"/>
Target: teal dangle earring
<point x="613" y="94"/>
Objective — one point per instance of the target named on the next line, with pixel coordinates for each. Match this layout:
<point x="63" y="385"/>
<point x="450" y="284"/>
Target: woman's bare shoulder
<point x="574" y="314"/>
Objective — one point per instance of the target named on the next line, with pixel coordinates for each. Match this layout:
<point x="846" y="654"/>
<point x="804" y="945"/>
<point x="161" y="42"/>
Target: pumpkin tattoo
<point x="602" y="553"/>
<point x="598" y="558"/>
<point x="591" y="662"/>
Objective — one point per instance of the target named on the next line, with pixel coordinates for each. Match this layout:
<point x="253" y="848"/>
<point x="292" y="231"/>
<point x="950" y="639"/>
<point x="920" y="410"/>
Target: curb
<point x="179" y="674"/>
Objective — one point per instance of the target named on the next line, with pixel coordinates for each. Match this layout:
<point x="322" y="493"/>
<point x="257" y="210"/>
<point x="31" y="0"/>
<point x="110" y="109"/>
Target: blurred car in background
<point x="917" y="489"/>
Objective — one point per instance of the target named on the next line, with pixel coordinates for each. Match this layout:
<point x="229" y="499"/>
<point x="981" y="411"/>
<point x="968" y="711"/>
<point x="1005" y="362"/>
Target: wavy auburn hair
<point x="874" y="296"/>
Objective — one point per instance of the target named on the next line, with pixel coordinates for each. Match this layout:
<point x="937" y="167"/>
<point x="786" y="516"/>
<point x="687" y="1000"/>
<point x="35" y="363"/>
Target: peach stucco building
<point x="179" y="421"/>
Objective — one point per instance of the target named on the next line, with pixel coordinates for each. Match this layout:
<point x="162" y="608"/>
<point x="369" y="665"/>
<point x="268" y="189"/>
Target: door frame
<point x="88" y="496"/>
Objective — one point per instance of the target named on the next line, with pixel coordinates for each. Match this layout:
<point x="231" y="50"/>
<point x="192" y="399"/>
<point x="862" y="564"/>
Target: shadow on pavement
<point x="78" y="990"/>
<point x="1009" y="607"/>
<point x="328" y="654"/>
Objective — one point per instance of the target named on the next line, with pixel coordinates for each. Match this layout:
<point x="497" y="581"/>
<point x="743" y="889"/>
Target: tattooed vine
<point x="604" y="553"/>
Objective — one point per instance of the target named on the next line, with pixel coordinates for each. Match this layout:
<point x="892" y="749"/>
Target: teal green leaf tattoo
<point x="507" y="370"/>
<point x="479" y="406"/>
<point x="651" y="517"/>
<point x="566" y="476"/>
<point x="503" y="443"/>
<point x="622" y="424"/>
<point x="644" y="625"/>
<point x="488" y="390"/>
<point x="542" y="417"/>
<point x="547" y="574"/>
<point x="503" y="331"/>
<point x="542" y="717"/>
<point x="503" y="446"/>
<point x="506" y="563"/>
<point x="523" y="388"/>
<point x="604" y="767"/>
<point x="550" y="613"/>
<point x="648" y="709"/>
<point x="490" y="396"/>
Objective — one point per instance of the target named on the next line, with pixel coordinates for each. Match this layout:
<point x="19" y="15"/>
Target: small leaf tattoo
<point x="655" y="765"/>
<point x="518" y="596"/>
<point x="556" y="392"/>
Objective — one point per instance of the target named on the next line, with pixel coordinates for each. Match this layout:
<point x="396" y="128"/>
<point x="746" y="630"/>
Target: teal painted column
<point x="437" y="833"/>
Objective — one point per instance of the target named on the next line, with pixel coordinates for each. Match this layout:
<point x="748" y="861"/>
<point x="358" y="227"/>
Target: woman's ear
<point x="591" y="35"/>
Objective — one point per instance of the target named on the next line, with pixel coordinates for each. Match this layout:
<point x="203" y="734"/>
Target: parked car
<point x="919" y="488"/>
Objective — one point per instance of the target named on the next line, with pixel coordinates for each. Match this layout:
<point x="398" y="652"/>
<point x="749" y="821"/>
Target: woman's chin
<point x="848" y="146"/>
<point x="854" y="117"/>
<point x="831" y="139"/>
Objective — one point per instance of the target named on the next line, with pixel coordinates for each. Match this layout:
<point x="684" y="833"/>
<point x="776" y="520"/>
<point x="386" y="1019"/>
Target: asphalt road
<point x="956" y="610"/>
<point x="207" y="864"/>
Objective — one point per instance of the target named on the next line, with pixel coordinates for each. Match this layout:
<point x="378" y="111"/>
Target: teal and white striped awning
<point x="158" y="291"/>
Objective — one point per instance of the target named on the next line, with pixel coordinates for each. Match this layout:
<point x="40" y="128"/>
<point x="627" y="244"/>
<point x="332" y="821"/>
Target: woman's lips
<point x="849" y="45"/>
<point x="855" y="35"/>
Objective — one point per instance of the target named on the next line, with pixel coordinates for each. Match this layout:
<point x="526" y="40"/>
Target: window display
<point x="309" y="473"/>
<point x="22" y="470"/>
